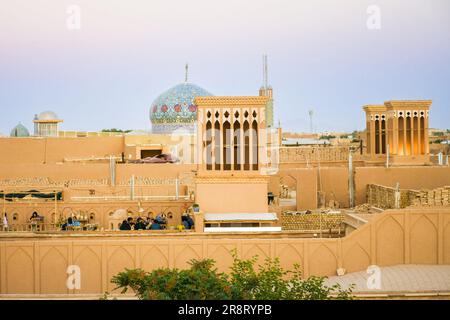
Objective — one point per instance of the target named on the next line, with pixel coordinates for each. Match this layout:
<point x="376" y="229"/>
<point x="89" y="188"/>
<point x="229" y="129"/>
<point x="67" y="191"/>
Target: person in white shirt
<point x="5" y="222"/>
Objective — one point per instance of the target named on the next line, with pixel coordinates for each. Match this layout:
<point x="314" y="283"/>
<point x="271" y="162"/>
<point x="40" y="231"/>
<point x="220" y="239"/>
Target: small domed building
<point x="175" y="111"/>
<point x="20" y="131"/>
<point x="46" y="124"/>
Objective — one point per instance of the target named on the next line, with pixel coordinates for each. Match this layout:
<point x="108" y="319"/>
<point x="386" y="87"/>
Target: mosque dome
<point x="20" y="131"/>
<point x="174" y="110"/>
<point x="47" y="115"/>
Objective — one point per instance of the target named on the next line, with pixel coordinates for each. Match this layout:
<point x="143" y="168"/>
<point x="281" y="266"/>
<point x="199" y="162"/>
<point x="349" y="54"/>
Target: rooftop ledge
<point x="155" y="234"/>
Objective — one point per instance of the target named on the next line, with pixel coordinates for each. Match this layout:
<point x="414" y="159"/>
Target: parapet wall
<point x="38" y="264"/>
<point x="312" y="222"/>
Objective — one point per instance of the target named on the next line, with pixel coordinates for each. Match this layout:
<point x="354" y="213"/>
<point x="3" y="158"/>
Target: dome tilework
<point x="175" y="108"/>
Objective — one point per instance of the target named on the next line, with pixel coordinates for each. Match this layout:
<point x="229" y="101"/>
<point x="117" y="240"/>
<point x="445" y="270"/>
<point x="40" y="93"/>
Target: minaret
<point x="266" y="91"/>
<point x="186" y="73"/>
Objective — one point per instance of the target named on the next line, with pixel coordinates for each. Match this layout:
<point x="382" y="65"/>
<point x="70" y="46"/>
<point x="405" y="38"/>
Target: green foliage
<point x="245" y="282"/>
<point x="329" y="137"/>
<point x="115" y="130"/>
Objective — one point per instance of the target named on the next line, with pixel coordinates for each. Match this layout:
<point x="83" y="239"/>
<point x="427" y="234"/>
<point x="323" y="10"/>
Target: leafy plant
<point x="202" y="282"/>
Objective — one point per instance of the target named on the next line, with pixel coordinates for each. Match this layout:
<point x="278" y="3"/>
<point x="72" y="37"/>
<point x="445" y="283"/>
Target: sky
<point x="329" y="56"/>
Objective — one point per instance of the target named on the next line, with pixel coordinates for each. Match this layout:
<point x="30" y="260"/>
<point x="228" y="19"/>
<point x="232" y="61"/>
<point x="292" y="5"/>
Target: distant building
<point x="46" y="124"/>
<point x="20" y="131"/>
<point x="400" y="129"/>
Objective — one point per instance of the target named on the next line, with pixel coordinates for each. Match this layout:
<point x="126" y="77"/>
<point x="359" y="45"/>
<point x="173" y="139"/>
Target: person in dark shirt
<point x="190" y="221"/>
<point x="131" y="222"/>
<point x="148" y="222"/>
<point x="184" y="222"/>
<point x="139" y="224"/>
<point x="125" y="225"/>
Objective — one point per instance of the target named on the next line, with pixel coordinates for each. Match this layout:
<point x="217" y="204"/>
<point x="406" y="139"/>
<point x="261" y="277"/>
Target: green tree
<point x="245" y="282"/>
<point x="115" y="130"/>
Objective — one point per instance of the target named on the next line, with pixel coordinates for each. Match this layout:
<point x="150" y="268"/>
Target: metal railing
<point x="29" y="227"/>
<point x="129" y="198"/>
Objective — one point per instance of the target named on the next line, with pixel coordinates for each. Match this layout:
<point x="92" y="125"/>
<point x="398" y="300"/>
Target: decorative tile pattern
<point x="175" y="108"/>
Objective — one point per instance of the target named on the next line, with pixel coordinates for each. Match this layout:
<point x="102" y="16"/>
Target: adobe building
<point x="46" y="124"/>
<point x="96" y="178"/>
<point x="232" y="139"/>
<point x="398" y="130"/>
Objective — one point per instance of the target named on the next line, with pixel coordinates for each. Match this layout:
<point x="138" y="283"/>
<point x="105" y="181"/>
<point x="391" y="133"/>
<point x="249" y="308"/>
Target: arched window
<point x="246" y="145"/>
<point x="226" y="136"/>
<point x="208" y="146"/>
<point x="217" y="145"/>
<point x="254" y="145"/>
<point x="383" y="136"/>
<point x="377" y="136"/>
<point x="401" y="136"/>
<point x="422" y="135"/>
<point x="416" y="135"/>
<point x="408" y="136"/>
<point x="237" y="145"/>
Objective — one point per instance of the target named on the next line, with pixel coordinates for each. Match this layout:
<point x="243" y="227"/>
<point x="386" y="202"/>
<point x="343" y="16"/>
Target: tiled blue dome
<point x="20" y="131"/>
<point x="175" y="109"/>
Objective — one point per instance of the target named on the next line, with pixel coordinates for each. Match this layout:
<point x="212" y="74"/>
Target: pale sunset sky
<point x="321" y="54"/>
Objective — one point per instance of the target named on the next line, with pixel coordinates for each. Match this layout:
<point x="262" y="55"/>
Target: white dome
<point x="47" y="115"/>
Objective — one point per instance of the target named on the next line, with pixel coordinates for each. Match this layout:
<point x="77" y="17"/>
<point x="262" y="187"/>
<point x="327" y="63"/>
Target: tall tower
<point x="266" y="91"/>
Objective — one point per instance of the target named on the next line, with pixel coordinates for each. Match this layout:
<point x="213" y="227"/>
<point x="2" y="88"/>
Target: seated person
<point x="69" y="223"/>
<point x="75" y="222"/>
<point x="130" y="222"/>
<point x="125" y="225"/>
<point x="139" y="224"/>
<point x="148" y="222"/>
<point x="155" y="225"/>
<point x="34" y="216"/>
<point x="190" y="221"/>
<point x="185" y="222"/>
<point x="160" y="219"/>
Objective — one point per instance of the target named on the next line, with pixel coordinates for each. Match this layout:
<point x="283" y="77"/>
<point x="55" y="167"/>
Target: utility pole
<point x="311" y="113"/>
<point x="351" y="182"/>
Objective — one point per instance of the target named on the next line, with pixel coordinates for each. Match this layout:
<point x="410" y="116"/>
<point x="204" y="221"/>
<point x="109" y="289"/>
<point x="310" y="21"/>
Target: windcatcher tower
<point x="398" y="129"/>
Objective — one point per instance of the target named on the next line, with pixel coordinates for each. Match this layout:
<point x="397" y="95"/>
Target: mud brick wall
<point x="312" y="221"/>
<point x="384" y="197"/>
<point x="435" y="197"/>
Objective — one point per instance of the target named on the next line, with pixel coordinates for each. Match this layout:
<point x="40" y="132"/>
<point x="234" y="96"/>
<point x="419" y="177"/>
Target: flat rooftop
<point x="400" y="280"/>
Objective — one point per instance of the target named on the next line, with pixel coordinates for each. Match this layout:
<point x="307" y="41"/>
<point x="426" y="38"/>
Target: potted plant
<point x="196" y="207"/>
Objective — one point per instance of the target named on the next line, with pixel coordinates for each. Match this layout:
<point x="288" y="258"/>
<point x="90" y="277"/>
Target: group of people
<point x="33" y="220"/>
<point x="71" y="222"/>
<point x="157" y="223"/>
<point x="148" y="223"/>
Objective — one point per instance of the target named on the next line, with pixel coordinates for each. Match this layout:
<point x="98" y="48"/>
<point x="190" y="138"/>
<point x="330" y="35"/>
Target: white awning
<point x="240" y="216"/>
<point x="243" y="229"/>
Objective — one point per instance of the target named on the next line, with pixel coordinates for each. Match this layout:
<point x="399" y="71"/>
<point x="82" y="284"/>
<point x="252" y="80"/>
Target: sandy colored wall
<point x="416" y="178"/>
<point x="52" y="150"/>
<point x="67" y="171"/>
<point x="235" y="197"/>
<point x="333" y="181"/>
<point x="38" y="265"/>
